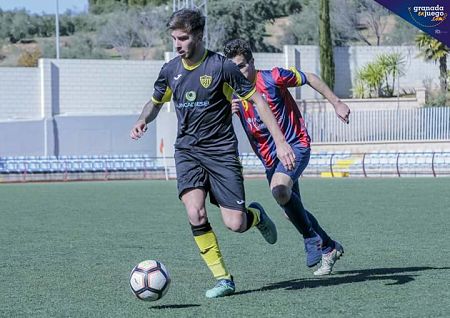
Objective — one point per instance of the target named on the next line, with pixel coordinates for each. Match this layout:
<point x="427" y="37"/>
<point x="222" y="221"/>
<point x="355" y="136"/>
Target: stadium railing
<point x="39" y="168"/>
<point x="137" y="166"/>
<point x="371" y="164"/>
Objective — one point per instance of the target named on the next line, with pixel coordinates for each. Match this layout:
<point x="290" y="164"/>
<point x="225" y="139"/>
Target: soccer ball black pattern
<point x="149" y="280"/>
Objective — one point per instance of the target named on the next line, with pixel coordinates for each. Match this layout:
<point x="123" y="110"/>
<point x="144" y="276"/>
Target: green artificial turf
<point x="66" y="250"/>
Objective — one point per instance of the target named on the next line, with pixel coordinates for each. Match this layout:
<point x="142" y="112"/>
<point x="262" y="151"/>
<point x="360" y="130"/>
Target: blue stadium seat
<point x="33" y="166"/>
<point x="139" y="164"/>
<point x="98" y="165"/>
<point x="128" y="164"/>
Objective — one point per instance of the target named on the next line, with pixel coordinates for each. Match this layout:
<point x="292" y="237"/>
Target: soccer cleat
<point x="265" y="225"/>
<point x="329" y="259"/>
<point x="313" y="249"/>
<point x="224" y="287"/>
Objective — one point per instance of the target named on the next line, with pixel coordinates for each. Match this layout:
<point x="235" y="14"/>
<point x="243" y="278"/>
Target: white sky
<point x="47" y="6"/>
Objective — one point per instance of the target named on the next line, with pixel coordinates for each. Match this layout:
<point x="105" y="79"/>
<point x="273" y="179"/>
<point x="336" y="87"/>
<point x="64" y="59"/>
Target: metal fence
<point x="325" y="164"/>
<point x="432" y="123"/>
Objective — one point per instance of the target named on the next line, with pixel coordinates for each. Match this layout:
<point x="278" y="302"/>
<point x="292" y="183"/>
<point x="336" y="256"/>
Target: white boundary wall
<point x="82" y="89"/>
<point x="74" y="87"/>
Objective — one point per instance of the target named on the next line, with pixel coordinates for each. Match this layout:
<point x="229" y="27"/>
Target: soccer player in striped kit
<point x="273" y="85"/>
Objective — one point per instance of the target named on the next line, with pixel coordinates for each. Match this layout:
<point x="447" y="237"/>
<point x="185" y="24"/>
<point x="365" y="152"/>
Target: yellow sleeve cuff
<point x="166" y="98"/>
<point x="155" y="101"/>
<point x="298" y="77"/>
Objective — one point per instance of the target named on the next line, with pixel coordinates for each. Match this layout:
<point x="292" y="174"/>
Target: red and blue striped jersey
<point x="273" y="86"/>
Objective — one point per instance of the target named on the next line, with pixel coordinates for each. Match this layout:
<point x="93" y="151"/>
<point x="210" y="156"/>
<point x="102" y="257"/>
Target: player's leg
<point x="327" y="242"/>
<point x="192" y="182"/>
<point x="194" y="202"/>
<point x="255" y="215"/>
<point x="281" y="185"/>
<point x="281" y="182"/>
<point x="227" y="190"/>
<point x="292" y="205"/>
<point x="240" y="221"/>
<point x="331" y="250"/>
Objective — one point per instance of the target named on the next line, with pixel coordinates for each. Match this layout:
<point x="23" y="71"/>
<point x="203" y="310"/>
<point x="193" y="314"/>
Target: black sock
<point x="327" y="242"/>
<point x="250" y="218"/>
<point x="298" y="216"/>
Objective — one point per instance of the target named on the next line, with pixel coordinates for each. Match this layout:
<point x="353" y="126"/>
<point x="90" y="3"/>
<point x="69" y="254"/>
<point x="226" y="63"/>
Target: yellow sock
<point x="256" y="216"/>
<point x="210" y="252"/>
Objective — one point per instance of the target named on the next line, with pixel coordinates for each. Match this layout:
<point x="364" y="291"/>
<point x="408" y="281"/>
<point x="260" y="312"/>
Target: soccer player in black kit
<point x="206" y="154"/>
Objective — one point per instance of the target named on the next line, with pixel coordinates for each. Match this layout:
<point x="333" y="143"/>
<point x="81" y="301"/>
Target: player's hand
<point x="235" y="105"/>
<point x="342" y="111"/>
<point x="286" y="155"/>
<point x="138" y="129"/>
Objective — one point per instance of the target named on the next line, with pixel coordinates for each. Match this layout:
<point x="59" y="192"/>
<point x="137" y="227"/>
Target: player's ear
<point x="198" y="36"/>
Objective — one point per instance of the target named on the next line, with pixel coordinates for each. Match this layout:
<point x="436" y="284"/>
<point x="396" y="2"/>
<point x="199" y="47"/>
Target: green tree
<point x="373" y="79"/>
<point x="21" y="26"/>
<point x="119" y="33"/>
<point x="434" y="50"/>
<point x="372" y="75"/>
<point x="105" y="6"/>
<point x="325" y="45"/>
<point x="2" y="56"/>
<point x="392" y="66"/>
<point x="80" y="46"/>
<point x="245" y="19"/>
<point x="143" y="3"/>
<point x="351" y="22"/>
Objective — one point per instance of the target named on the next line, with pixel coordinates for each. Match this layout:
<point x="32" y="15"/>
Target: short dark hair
<point x="191" y="21"/>
<point x="238" y="47"/>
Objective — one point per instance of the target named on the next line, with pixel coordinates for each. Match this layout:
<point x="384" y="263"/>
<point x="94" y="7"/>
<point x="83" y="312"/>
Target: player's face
<point x="185" y="43"/>
<point x="246" y="67"/>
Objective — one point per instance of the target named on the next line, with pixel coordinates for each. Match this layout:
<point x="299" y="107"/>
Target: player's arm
<point x="161" y="94"/>
<point x="284" y="150"/>
<point x="148" y="114"/>
<point x="341" y="109"/>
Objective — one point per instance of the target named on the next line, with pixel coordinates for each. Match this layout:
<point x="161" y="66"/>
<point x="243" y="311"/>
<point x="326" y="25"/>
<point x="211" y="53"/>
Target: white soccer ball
<point x="149" y="280"/>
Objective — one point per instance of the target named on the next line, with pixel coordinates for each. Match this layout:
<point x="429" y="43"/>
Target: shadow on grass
<point x="174" y="306"/>
<point x="397" y="276"/>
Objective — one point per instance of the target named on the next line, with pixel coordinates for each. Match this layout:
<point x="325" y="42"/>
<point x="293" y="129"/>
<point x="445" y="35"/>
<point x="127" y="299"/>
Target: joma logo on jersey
<point x="205" y="80"/>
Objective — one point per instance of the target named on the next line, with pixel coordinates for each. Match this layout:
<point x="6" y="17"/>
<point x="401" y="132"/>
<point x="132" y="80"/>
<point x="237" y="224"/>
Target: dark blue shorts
<point x="220" y="175"/>
<point x="302" y="156"/>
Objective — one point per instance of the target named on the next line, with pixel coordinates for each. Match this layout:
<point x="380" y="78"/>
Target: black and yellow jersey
<point x="201" y="95"/>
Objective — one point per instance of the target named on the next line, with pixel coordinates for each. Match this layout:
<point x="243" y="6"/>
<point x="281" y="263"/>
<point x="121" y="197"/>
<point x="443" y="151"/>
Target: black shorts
<point x="220" y="175"/>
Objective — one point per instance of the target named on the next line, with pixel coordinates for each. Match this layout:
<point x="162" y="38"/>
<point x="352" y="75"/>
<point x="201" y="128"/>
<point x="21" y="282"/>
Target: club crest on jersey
<point x="205" y="80"/>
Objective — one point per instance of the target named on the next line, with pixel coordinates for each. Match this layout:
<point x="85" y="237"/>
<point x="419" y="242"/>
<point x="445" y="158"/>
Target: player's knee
<point x="281" y="193"/>
<point x="235" y="224"/>
<point x="196" y="215"/>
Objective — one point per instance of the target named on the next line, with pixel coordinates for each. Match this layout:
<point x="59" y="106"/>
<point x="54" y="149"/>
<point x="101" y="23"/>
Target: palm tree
<point x="433" y="50"/>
